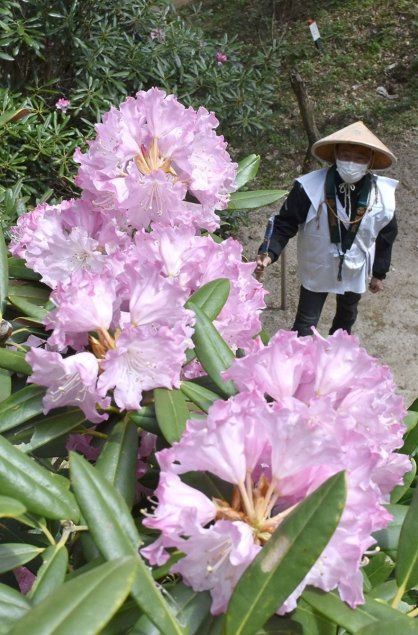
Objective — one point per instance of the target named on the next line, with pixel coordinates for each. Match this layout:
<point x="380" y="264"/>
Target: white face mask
<point x="351" y="172"/>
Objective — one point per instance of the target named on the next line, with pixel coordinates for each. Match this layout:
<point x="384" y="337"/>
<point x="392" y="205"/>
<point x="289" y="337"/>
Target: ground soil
<point x="387" y="325"/>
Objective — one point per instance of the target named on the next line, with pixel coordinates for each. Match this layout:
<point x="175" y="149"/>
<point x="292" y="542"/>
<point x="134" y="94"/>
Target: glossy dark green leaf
<point x="406" y="571"/>
<point x="21" y="406"/>
<point x="211" y="297"/>
<point x="10" y="507"/>
<point x="118" y="459"/>
<point x="379" y="568"/>
<point x="125" y="618"/>
<point x="330" y="605"/>
<point x="254" y="199"/>
<point x="310" y="621"/>
<point x="399" y="625"/>
<point x="31" y="309"/>
<point x="114" y="532"/>
<point x="51" y="574"/>
<point x="83" y="605"/>
<point x="189" y="607"/>
<point x="48" y="429"/>
<point x="388" y="538"/>
<point x="212" y="351"/>
<point x="41" y="491"/>
<point x="286" y="558"/>
<point x="4" y="274"/>
<point x="16" y="554"/>
<point x="400" y="490"/>
<point x="199" y="395"/>
<point x="247" y="170"/>
<point x="11" y="360"/>
<point x="36" y="293"/>
<point x="410" y="445"/>
<point x="18" y="269"/>
<point x="145" y="418"/>
<point x="171" y="412"/>
<point x="13" y="606"/>
<point x="5" y="385"/>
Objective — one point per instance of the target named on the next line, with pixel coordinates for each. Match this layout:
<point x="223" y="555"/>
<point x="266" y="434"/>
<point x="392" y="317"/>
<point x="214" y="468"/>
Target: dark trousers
<point x="310" y="307"/>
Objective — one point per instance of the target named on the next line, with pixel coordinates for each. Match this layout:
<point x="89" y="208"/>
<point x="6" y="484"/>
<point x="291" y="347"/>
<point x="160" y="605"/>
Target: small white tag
<point x="314" y="31"/>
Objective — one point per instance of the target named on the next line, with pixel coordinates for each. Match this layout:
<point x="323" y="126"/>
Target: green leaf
<point x="199" y="395"/>
<point x="124" y="619"/>
<point x="211" y="297"/>
<point x="48" y="429"/>
<point x="42" y="492"/>
<point x="400" y="490"/>
<point x="51" y="574"/>
<point x="114" y="532"/>
<point x="286" y="558"/>
<point x="28" y="308"/>
<point x="37" y="293"/>
<point x="13" y="605"/>
<point x="388" y="538"/>
<point x="14" y="555"/>
<point x="83" y="605"/>
<point x="212" y="351"/>
<point x="118" y="459"/>
<point x="4" y="272"/>
<point x="330" y="605"/>
<point x="311" y="621"/>
<point x="10" y="507"/>
<point x="410" y="445"/>
<point x="379" y="568"/>
<point x="145" y="418"/>
<point x="14" y="361"/>
<point x="190" y="608"/>
<point x="406" y="571"/>
<point x="5" y="385"/>
<point x="247" y="170"/>
<point x="21" y="406"/>
<point x="172" y="413"/>
<point x="18" y="269"/>
<point x="13" y="115"/>
<point x="254" y="199"/>
<point x="398" y="625"/>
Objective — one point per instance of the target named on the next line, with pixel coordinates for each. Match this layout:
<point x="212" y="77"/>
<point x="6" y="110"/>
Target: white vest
<point x="318" y="257"/>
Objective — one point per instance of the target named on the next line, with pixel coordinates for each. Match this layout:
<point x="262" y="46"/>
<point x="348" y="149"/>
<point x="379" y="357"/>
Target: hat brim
<point x="325" y="151"/>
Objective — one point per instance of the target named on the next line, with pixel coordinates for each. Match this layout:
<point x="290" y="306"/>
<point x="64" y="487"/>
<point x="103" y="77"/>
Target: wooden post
<point x="307" y="114"/>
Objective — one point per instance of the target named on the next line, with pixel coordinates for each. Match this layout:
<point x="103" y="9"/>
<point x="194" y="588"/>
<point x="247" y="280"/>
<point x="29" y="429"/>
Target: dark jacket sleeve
<point x="384" y="244"/>
<point x="286" y="224"/>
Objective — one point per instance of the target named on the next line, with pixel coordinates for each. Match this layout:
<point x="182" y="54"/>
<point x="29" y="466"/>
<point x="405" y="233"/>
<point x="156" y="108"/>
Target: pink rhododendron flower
<point x="25" y="579"/>
<point x="81" y="443"/>
<point x="144" y="358"/>
<point x="221" y="58"/>
<point x="276" y="452"/>
<point x="88" y="303"/>
<point x="149" y="154"/>
<point x="62" y="104"/>
<point x="70" y="381"/>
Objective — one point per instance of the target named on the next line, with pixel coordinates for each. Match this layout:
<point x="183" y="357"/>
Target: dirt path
<point x="387" y="325"/>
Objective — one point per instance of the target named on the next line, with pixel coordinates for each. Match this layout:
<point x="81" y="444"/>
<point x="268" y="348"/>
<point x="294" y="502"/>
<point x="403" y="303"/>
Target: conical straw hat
<point x="358" y="134"/>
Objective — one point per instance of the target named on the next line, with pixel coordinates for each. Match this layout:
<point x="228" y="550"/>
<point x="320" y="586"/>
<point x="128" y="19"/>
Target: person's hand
<point x="263" y="261"/>
<point x="375" y="285"/>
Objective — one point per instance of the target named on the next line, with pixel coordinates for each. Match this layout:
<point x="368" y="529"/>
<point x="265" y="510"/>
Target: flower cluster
<point x="308" y="407"/>
<point x="123" y="259"/>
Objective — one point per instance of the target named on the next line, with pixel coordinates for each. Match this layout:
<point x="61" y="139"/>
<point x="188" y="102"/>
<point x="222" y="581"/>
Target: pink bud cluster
<point x="123" y="259"/>
<point x="308" y="408"/>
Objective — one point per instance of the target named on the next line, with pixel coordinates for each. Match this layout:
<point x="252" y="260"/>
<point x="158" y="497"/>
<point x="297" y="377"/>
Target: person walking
<point x="344" y="216"/>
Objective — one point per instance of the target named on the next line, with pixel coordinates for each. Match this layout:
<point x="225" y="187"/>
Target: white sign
<point x="314" y="31"/>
